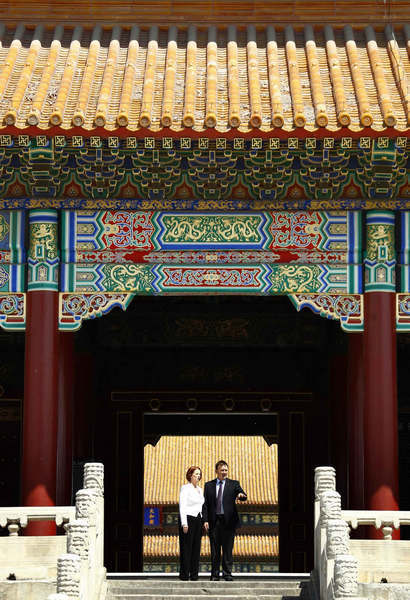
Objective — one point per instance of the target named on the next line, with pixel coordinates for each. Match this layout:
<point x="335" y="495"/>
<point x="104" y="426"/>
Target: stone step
<point x="243" y="588"/>
<point x="206" y="590"/>
<point x="165" y="596"/>
<point x="205" y="581"/>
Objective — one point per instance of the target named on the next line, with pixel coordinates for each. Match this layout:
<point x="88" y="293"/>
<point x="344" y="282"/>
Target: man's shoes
<point x="214" y="578"/>
<point x="228" y="577"/>
<point x="184" y="578"/>
<point x="194" y="578"/>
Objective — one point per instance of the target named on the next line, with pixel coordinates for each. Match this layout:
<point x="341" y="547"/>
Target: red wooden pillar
<point x="65" y="418"/>
<point x="355" y="400"/>
<point x="380" y="422"/>
<point x="41" y="369"/>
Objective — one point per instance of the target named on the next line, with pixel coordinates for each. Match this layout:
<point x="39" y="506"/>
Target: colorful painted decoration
<point x="348" y="309"/>
<point x="204" y="174"/>
<point x="137" y="236"/>
<point x="74" y="308"/>
<point x="43" y="254"/>
<point x="13" y="311"/>
<point x="380" y="255"/>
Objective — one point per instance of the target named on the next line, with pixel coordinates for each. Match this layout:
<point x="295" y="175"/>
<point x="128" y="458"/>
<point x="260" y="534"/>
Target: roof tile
<point x="248" y="546"/>
<point x="205" y="77"/>
<point x="250" y="460"/>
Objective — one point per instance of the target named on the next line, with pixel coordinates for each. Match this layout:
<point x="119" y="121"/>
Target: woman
<point x="191" y="499"/>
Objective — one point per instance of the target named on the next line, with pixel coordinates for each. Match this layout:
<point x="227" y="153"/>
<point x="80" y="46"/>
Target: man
<point x="221" y="519"/>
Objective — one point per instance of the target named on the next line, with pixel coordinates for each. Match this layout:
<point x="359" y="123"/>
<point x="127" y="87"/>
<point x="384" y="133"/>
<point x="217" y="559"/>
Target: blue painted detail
<point x="351" y="238"/>
<point x="5" y="220"/>
<point x="152" y="516"/>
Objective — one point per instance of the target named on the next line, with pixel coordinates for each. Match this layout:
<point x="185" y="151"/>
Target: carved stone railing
<point x="386" y="520"/>
<point x="336" y="570"/>
<point x="16" y="518"/>
<point x="80" y="573"/>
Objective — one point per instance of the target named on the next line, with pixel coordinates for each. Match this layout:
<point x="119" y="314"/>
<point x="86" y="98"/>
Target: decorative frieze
<point x="205" y="174"/>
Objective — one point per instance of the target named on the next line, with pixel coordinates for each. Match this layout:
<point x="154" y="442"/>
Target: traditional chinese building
<point x="209" y="167"/>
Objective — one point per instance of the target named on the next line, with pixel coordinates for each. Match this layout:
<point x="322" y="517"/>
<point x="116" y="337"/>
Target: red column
<point x="355" y="399"/>
<point x="65" y="417"/>
<point x="40" y="406"/>
<point x="380" y="406"/>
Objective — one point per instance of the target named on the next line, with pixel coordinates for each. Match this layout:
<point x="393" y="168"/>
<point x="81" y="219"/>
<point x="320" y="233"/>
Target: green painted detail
<point x="380" y="255"/>
<point x="228" y="228"/>
<point x="288" y="279"/>
<point x="128" y="278"/>
<point x="4" y="227"/>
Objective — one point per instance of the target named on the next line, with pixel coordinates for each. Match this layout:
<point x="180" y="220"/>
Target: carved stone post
<point x="68" y="575"/>
<point x="337" y="538"/>
<point x="94" y="480"/>
<point x="77" y="538"/>
<point x="85" y="504"/>
<point x="346" y="575"/>
<point x="330" y="509"/>
<point x="325" y="481"/>
<point x="94" y="477"/>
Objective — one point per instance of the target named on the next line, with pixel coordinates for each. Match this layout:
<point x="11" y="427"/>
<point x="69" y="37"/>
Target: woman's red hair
<point x="191" y="470"/>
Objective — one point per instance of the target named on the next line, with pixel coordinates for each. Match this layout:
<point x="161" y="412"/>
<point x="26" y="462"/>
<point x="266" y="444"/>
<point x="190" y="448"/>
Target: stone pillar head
<point x="346" y="575"/>
<point x="325" y="480"/>
<point x="94" y="477"/>
<point x="85" y="503"/>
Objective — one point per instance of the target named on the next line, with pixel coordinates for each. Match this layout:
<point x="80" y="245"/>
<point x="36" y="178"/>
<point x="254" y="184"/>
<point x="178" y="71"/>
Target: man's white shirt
<point x="191" y="499"/>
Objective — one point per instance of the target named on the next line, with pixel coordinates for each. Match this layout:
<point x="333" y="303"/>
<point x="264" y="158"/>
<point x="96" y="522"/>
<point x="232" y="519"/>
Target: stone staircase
<point x="241" y="589"/>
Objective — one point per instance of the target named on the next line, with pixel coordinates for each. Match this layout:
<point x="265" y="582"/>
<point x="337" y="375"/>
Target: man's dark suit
<point x="222" y="529"/>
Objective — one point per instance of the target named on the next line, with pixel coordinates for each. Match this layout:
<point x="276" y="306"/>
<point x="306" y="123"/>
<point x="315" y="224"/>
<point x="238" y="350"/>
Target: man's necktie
<point x="219" y="499"/>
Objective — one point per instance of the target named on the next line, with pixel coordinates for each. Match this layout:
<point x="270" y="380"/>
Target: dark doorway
<point x="285" y="419"/>
<point x="215" y="364"/>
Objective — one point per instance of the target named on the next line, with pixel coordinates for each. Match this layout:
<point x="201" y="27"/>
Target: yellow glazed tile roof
<point x="248" y="546"/>
<point x="193" y="78"/>
<point x="250" y="460"/>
